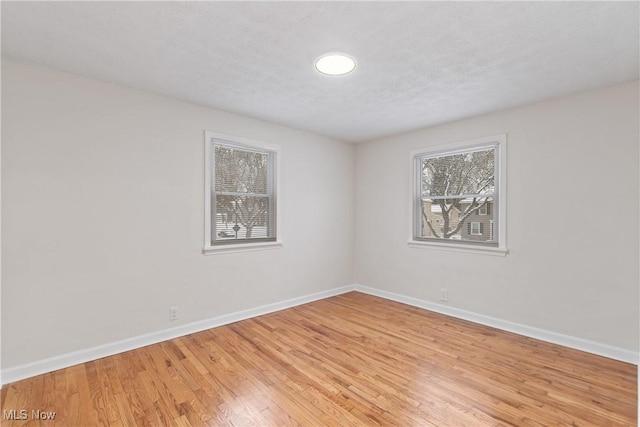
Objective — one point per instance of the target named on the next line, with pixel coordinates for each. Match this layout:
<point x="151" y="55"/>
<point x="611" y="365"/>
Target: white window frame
<point x="499" y="142"/>
<point x="483" y="209"/>
<point x="209" y="139"/>
<point x="472" y="230"/>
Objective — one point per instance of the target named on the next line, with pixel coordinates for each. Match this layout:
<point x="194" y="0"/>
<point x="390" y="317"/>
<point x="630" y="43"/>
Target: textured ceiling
<point x="419" y="63"/>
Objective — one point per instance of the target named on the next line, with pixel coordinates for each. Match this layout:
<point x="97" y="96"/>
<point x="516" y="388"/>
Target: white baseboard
<point x="65" y="360"/>
<point x="593" y="347"/>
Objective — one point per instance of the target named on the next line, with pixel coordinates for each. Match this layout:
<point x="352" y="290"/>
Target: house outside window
<point x="458" y="196"/>
<point x="241" y="194"/>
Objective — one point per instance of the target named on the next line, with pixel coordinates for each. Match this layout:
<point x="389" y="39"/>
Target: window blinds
<point x="243" y="194"/>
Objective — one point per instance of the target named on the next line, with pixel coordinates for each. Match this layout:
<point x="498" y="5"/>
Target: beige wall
<point x="567" y="159"/>
<point x="102" y="215"/>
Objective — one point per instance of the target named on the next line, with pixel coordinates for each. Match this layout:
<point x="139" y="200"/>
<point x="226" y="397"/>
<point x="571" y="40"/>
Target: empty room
<point x="320" y="213"/>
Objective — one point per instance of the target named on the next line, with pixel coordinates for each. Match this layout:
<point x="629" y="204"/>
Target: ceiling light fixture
<point x="335" y="64"/>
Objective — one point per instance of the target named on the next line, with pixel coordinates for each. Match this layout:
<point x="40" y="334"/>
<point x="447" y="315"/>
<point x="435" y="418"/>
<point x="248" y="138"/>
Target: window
<point x="241" y="206"/>
<point x="458" y="196"/>
<point x="475" y="228"/>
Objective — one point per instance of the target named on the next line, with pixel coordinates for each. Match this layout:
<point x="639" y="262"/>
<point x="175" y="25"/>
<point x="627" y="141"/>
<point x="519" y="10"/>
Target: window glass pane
<point x="458" y="174"/>
<point x="242" y="217"/>
<point x="240" y="171"/>
<point x="457" y="219"/>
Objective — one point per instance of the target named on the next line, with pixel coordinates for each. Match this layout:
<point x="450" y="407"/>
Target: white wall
<point x="102" y="215"/>
<point x="572" y="227"/>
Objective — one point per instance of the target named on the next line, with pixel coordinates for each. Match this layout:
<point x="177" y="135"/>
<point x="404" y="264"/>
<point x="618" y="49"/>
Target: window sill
<point x="243" y="247"/>
<point x="459" y="248"/>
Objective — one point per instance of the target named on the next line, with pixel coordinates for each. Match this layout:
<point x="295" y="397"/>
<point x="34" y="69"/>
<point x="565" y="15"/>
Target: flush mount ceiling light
<point x="335" y="64"/>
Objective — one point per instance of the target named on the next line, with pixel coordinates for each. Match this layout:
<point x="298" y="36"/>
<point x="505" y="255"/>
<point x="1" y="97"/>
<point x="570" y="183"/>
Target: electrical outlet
<point x="173" y="314"/>
<point x="444" y="295"/>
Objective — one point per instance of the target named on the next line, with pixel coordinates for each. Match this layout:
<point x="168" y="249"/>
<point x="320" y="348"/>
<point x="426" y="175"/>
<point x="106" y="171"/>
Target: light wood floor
<point x="353" y="359"/>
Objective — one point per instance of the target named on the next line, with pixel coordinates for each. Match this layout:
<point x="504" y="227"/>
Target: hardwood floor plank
<point x="350" y="360"/>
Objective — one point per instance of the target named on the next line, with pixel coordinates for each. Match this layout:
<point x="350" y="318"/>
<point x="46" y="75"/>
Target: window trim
<point x="208" y="248"/>
<point x="499" y="201"/>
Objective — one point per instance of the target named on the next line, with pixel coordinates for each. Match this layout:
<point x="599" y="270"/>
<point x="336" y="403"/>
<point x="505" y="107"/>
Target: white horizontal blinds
<point x="455" y="188"/>
<point x="243" y="199"/>
<point x="240" y="171"/>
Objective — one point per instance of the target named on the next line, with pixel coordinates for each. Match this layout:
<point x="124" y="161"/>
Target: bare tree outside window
<point x="454" y="187"/>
